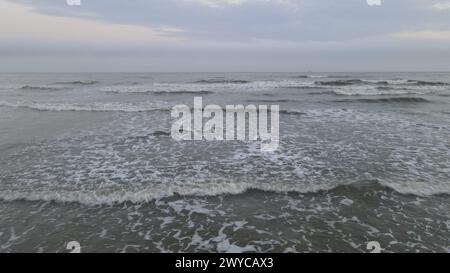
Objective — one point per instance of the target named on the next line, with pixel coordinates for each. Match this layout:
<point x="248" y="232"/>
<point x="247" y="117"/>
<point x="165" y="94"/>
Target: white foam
<point x="255" y="85"/>
<point x="90" y="107"/>
<point x="368" y="90"/>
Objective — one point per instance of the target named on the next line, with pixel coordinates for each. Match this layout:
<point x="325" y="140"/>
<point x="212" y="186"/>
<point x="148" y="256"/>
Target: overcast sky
<point x="224" y="35"/>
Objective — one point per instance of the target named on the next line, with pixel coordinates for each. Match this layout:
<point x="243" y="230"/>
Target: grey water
<point x="88" y="157"/>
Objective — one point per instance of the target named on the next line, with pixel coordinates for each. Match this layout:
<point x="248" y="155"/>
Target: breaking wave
<point x="380" y="82"/>
<point x="365" y="90"/>
<point x="388" y="100"/>
<point x="91" y="107"/>
<point x="155" y="192"/>
<point x="230" y="85"/>
<point x="426" y="83"/>
<point x="349" y="82"/>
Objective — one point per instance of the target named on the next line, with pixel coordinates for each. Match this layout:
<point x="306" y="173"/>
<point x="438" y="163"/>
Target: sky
<point x="224" y="36"/>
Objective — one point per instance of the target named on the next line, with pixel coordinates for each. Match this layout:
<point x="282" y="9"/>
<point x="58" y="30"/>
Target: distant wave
<point x="379" y="82"/>
<point x="338" y="83"/>
<point x="349" y="87"/>
<point x="387" y="88"/>
<point x="321" y="76"/>
<point x="160" y="133"/>
<point x="202" y="92"/>
<point x="91" y="107"/>
<point x="329" y="92"/>
<point x="154" y="134"/>
<point x="339" y="76"/>
<point x="291" y="112"/>
<point x="78" y="83"/>
<point x="349" y="82"/>
<point x="230" y="86"/>
<point x="388" y="100"/>
<point x="305" y="87"/>
<point x="310" y="77"/>
<point x="426" y="83"/>
<point x="181" y="92"/>
<point x="40" y="88"/>
<point x="222" y="81"/>
<point x="377" y="91"/>
<point x="127" y="83"/>
<point x="271" y="101"/>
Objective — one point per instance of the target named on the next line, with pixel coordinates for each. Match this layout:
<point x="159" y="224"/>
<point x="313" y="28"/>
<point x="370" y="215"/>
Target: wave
<point x="322" y="93"/>
<point x="322" y="76"/>
<point x="388" y="100"/>
<point x="293" y="113"/>
<point x="311" y="76"/>
<point x="39" y="88"/>
<point x="78" y="83"/>
<point x="339" y="82"/>
<point x="143" y="196"/>
<point x="271" y="101"/>
<point x="427" y="83"/>
<point x="127" y="83"/>
<point x="350" y="82"/>
<point x="181" y="92"/>
<point x="150" y="193"/>
<point x="214" y="188"/>
<point x="387" y="88"/>
<point x="339" y="76"/>
<point x="377" y="91"/>
<point x="417" y="189"/>
<point x="157" y="134"/>
<point x="222" y="81"/>
<point x="380" y="82"/>
<point x="303" y="87"/>
<point x="160" y="134"/>
<point x="230" y="86"/>
<point x="92" y="107"/>
<point x="159" y="92"/>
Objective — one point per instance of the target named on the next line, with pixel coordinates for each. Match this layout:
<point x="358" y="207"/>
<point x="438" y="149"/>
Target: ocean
<point x="88" y="157"/>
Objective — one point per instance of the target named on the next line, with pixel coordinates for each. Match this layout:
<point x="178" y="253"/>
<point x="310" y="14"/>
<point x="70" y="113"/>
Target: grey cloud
<point x="317" y="20"/>
<point x="319" y="35"/>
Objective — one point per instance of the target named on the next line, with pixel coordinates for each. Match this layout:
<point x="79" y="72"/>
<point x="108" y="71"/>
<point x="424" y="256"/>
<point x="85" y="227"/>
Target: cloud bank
<point x="225" y="35"/>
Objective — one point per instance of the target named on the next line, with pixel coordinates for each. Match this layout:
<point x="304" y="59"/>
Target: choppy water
<point x="88" y="157"/>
